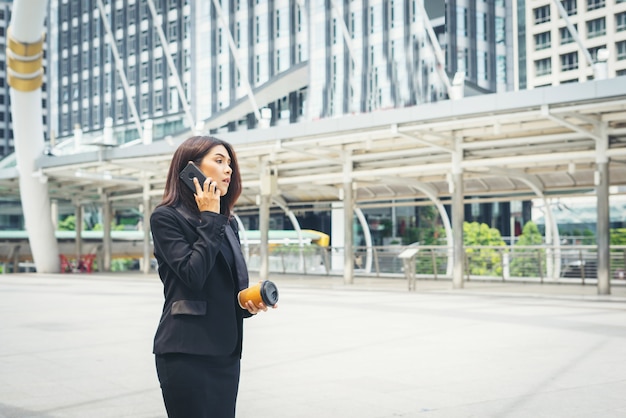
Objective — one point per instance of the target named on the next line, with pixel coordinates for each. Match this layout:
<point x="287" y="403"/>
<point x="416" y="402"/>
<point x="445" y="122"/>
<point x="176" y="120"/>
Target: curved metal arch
<point x="367" y="235"/>
<point x="552" y="231"/>
<point x="431" y="193"/>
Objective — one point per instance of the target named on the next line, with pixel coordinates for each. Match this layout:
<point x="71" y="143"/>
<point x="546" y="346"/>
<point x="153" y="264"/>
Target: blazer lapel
<point x="240" y="262"/>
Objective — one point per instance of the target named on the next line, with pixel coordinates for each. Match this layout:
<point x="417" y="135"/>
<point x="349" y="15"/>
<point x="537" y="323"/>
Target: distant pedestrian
<point x="198" y="342"/>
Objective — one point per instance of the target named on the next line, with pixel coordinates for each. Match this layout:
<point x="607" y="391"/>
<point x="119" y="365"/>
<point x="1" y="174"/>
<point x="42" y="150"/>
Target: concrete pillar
<point x="348" y="220"/>
<point x="264" y="227"/>
<point x="78" y="213"/>
<point x="603" y="229"/>
<point x="145" y="265"/>
<point x="25" y="77"/>
<point x="603" y="224"/>
<point x="336" y="234"/>
<point x="348" y="234"/>
<point x="458" y="216"/>
<point x="107" y="244"/>
<point x="268" y="188"/>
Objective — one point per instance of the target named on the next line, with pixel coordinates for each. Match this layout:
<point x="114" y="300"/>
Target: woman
<point x="199" y="338"/>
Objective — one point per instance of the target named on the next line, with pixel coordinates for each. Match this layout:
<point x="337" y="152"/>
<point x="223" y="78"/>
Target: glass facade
<point x="134" y="75"/>
<point x="481" y="43"/>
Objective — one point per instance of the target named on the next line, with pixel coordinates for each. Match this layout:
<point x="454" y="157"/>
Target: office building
<point x="563" y="45"/>
<point x="242" y="64"/>
<point x="479" y="35"/>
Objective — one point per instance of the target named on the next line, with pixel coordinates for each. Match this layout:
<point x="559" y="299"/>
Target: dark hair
<point x="194" y="149"/>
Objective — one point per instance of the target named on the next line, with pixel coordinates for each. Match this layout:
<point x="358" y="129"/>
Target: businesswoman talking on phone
<point x="199" y="338"/>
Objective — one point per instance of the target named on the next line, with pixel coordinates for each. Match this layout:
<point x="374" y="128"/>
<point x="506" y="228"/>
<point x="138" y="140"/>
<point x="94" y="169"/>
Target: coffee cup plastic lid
<point x="269" y="293"/>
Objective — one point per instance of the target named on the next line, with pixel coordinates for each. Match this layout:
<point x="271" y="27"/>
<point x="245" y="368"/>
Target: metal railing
<point x="571" y="264"/>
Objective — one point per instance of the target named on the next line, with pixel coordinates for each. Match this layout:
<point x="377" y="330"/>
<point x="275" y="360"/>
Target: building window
<point x="542" y="41"/>
<point x="596" y="27"/>
<point x="542" y="14"/>
<point x="119" y="107"/>
<point x="352" y="25"/>
<point x="173" y="31"/>
<point x="569" y="61"/>
<point x="143" y="39"/>
<point x="501" y="69"/>
<point x="131" y="45"/>
<point x="158" y="68"/>
<point x="621" y="50"/>
<point x="145" y="103"/>
<point x="500" y="30"/>
<point x="219" y="41"/>
<point x="481" y="27"/>
<point x="620" y="21"/>
<point x="569" y="6"/>
<point x="566" y="35"/>
<point x="482" y="63"/>
<point x="543" y="67"/>
<point x="461" y="21"/>
<point x="144" y="72"/>
<point x="299" y="18"/>
<point x="595" y="4"/>
<point x="158" y="101"/>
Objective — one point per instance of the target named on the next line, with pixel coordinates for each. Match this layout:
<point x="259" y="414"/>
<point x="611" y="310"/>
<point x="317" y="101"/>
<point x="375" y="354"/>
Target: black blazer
<point x="201" y="314"/>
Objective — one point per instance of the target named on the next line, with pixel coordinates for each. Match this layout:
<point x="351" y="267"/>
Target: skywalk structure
<point x="538" y="143"/>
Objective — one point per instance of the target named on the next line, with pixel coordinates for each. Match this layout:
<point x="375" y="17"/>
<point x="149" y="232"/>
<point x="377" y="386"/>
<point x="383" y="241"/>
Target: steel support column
<point x="78" y="214"/>
<point x="267" y="188"/>
<point x="264" y="227"/>
<point x="458" y="216"/>
<point x="145" y="266"/>
<point x="603" y="224"/>
<point x="107" y="242"/>
<point x="348" y="220"/>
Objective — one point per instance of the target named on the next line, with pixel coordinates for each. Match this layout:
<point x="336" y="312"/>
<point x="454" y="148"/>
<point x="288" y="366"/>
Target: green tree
<point x="483" y="261"/>
<point x="68" y="224"/>
<point x="618" y="236"/>
<point x="526" y="262"/>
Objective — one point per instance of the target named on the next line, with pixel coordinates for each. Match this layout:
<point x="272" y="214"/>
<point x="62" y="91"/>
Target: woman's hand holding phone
<point x="207" y="195"/>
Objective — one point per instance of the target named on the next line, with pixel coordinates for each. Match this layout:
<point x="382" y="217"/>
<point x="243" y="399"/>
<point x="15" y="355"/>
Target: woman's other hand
<point x="207" y="196"/>
<point x="254" y="309"/>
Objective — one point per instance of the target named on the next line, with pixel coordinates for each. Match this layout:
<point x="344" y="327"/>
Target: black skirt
<point x="196" y="386"/>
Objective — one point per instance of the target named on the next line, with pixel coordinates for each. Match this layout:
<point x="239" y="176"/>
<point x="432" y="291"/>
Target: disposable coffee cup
<point x="263" y="292"/>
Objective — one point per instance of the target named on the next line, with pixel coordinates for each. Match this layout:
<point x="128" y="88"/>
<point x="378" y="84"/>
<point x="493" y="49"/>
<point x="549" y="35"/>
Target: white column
<point x="603" y="224"/>
<point x="336" y="236"/>
<point x="145" y="266"/>
<point x="25" y="75"/>
<point x="348" y="220"/>
<point x="106" y="234"/>
<point x="458" y="216"/>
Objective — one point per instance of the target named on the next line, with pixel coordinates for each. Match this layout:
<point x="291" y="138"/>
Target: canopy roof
<point x="514" y="144"/>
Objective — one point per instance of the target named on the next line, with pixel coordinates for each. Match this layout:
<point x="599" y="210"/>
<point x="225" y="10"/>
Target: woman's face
<point x="216" y="166"/>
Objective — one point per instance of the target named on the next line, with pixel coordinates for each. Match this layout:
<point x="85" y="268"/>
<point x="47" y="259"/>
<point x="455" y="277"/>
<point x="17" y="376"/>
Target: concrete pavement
<point x="80" y="346"/>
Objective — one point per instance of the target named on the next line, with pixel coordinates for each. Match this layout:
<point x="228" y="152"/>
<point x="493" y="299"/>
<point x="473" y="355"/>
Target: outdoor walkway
<point x="80" y="346"/>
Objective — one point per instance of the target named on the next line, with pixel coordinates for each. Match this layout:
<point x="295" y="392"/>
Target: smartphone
<point x="189" y="172"/>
